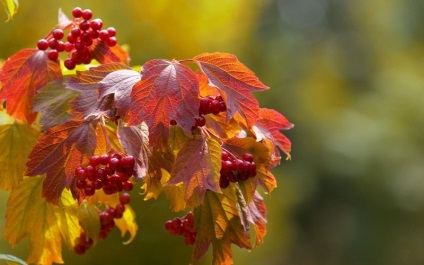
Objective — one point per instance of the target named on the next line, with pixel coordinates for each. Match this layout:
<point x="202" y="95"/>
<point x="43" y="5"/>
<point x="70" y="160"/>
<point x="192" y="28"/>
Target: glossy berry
<point x="57" y="34"/>
<point x="248" y="157"/>
<point x="77" y="12"/>
<point x="111" y="31"/>
<point x="43" y="44"/>
<point x="128" y="186"/>
<point x="96" y="24"/>
<point x="124" y="198"/>
<point x="128" y="161"/>
<point x="224" y="182"/>
<point x="53" y="55"/>
<point x="111" y="41"/>
<point x="87" y="14"/>
<point x="69" y="64"/>
<point x="84" y="25"/>
<point x="79" y="249"/>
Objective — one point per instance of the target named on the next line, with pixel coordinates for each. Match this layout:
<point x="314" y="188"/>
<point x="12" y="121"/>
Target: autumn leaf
<point x="29" y="215"/>
<point x="58" y="152"/>
<point x="167" y="91"/>
<point x="269" y="125"/>
<point x="11" y="8"/>
<point x="16" y="142"/>
<point x="217" y="222"/>
<point x="127" y="224"/>
<point x="237" y="82"/>
<point x="87" y="83"/>
<point x="54" y="102"/>
<point x="67" y="218"/>
<point x="105" y="54"/>
<point x="21" y="76"/>
<point x="120" y="84"/>
<point x="12" y="260"/>
<point x="256" y="215"/>
<point x="135" y="141"/>
<point x="261" y="154"/>
<point x="197" y="165"/>
<point x="89" y="218"/>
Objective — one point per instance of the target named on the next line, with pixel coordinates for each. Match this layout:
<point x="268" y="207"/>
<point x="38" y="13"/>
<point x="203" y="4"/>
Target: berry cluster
<point x="183" y="227"/>
<point x="212" y="104"/>
<point x="83" y="244"/>
<point x="107" y="223"/>
<point x="234" y="169"/>
<point x="108" y="172"/>
<point x="82" y="35"/>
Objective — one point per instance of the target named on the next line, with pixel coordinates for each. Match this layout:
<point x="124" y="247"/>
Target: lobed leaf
<point x="89" y="218"/>
<point x="197" y="165"/>
<point x="21" y="76"/>
<point x="269" y="125"/>
<point x="29" y="215"/>
<point x="127" y="224"/>
<point x="167" y="91"/>
<point x="105" y="54"/>
<point x="135" y="141"/>
<point x="235" y="80"/>
<point x="54" y="101"/>
<point x="87" y="84"/>
<point x="16" y="142"/>
<point x="58" y="152"/>
<point x="120" y="84"/>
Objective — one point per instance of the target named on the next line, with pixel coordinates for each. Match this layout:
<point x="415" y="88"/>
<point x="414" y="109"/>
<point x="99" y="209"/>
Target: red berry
<point x="236" y="164"/>
<point x="77" y="12"/>
<point x="71" y="39"/>
<point x="168" y="225"/>
<point x="69" y="64"/>
<point x="57" y="34"/>
<point x="75" y="32"/>
<point x="124" y="198"/>
<point x="231" y="177"/>
<point x="120" y="208"/>
<point x="128" y="161"/>
<point x="111" y="31"/>
<point x="243" y="175"/>
<point x="96" y="24"/>
<point x="222" y="106"/>
<point x="248" y="157"/>
<point x="199" y="121"/>
<point x="190" y="239"/>
<point x="80" y="173"/>
<point x="226" y="165"/>
<point x="114" y="162"/>
<point x="89" y="190"/>
<point x="214" y="106"/>
<point x="98" y="184"/>
<point x="104" y="159"/>
<point x="52" y="43"/>
<point x="53" y="55"/>
<point x="79" y="249"/>
<point x="204" y="106"/>
<point x="79" y="45"/>
<point x="111" y="212"/>
<point x="225" y="155"/>
<point x="91" y="172"/>
<point x="94" y="160"/>
<point x="128" y="186"/>
<point x="68" y="46"/>
<point x="81" y="184"/>
<point x="94" y="34"/>
<point x="104" y="217"/>
<point x="223" y="182"/>
<point x="85" y="36"/>
<point x="84" y="25"/>
<point x="104" y="35"/>
<point x="87" y="14"/>
<point x="173" y="122"/>
<point x="43" y="44"/>
<point x="111" y="41"/>
<point x="60" y="46"/>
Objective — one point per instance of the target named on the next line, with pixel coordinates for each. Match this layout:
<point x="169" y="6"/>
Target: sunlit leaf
<point x="167" y="91"/>
<point x="21" y="76"/>
<point x="127" y="224"/>
<point x="58" y="152"/>
<point x="197" y="165"/>
<point x="237" y="82"/>
<point x="12" y="260"/>
<point x="67" y="219"/>
<point x="11" y="8"/>
<point x="16" y="142"/>
<point x="105" y="54"/>
<point x="29" y="215"/>
<point x="90" y="222"/>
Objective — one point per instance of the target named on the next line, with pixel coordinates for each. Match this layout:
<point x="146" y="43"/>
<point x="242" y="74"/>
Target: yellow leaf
<point x="127" y="224"/>
<point x="16" y="142"/>
<point x="174" y="193"/>
<point x="29" y="215"/>
<point x="11" y="8"/>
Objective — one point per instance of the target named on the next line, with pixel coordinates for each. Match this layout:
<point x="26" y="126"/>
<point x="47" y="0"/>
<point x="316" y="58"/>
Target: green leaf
<point x="11" y="8"/>
<point x="90" y="221"/>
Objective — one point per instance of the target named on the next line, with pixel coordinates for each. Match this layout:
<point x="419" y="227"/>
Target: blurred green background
<point x="348" y="74"/>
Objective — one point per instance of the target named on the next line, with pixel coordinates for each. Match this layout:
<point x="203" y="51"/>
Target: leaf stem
<point x="103" y="125"/>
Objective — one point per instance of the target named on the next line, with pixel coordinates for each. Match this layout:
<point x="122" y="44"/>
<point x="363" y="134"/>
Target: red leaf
<point x="87" y="83"/>
<point x="21" y="76"/>
<point x="203" y="174"/>
<point x="167" y="91"/>
<point x="58" y="152"/>
<point x="105" y="54"/>
<point x="120" y="83"/>
<point x="135" y="142"/>
<point x="269" y="125"/>
<point x="236" y="81"/>
<point x="256" y="215"/>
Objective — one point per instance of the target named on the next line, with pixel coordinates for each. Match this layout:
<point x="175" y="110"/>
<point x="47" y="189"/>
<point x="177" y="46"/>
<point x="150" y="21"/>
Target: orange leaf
<point x="269" y="125"/>
<point x="105" y="54"/>
<point x="21" y="76"/>
<point x="167" y="91"/>
<point x="58" y="152"/>
<point x="236" y="81"/>
<point x="199" y="176"/>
